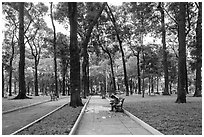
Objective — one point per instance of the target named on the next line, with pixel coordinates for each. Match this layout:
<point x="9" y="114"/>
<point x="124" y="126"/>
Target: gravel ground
<point x="166" y="116"/>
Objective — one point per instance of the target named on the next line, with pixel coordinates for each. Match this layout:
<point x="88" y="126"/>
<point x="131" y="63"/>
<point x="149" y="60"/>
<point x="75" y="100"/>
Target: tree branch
<point x="170" y="16"/>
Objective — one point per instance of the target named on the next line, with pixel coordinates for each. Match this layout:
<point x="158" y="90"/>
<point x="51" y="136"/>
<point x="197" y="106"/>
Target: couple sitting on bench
<point x="116" y="103"/>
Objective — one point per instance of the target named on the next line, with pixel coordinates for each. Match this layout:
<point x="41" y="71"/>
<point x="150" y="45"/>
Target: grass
<point x="8" y="103"/>
<point x="58" y="123"/>
<point x="170" y="118"/>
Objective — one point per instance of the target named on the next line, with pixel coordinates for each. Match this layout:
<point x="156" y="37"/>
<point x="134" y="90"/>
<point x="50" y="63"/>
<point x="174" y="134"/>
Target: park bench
<point x="117" y="105"/>
<point x="53" y="97"/>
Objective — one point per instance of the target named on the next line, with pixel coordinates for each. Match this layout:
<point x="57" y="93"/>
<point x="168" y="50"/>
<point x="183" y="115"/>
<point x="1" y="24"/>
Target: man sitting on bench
<point x="116" y="103"/>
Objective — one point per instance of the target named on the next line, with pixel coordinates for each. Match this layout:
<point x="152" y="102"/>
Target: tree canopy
<point x="135" y="47"/>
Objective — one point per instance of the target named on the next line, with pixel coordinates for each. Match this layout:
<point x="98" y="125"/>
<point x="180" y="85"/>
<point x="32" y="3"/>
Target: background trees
<point x="129" y="43"/>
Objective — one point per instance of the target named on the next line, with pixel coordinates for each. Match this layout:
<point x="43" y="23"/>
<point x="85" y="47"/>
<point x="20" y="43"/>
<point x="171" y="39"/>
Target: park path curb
<point x="39" y="119"/>
<point x="76" y="124"/>
<point x="141" y="123"/>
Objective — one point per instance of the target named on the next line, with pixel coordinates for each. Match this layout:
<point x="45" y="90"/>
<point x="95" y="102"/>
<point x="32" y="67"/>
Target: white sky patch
<point x="59" y="27"/>
<point x="115" y="2"/>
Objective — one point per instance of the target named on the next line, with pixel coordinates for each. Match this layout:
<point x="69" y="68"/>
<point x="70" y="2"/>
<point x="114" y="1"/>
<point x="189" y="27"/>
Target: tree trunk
<point x="63" y="83"/>
<point x="112" y="72"/>
<point x="22" y="86"/>
<point x="2" y="80"/>
<point x="85" y="74"/>
<point x="138" y="72"/>
<point x="11" y="64"/>
<point x="36" y="77"/>
<point x="143" y="85"/>
<point x="170" y="88"/>
<point x="74" y="58"/>
<point x="165" y="63"/>
<point x="110" y="14"/>
<point x="55" y="52"/>
<point x="157" y="84"/>
<point x="131" y="86"/>
<point x="88" y="77"/>
<point x="152" y="86"/>
<point x="149" y="85"/>
<point x="198" y="81"/>
<point x="124" y="67"/>
<point x="15" y="84"/>
<point x="64" y="71"/>
<point x="10" y="77"/>
<point x="186" y="78"/>
<point x="181" y="94"/>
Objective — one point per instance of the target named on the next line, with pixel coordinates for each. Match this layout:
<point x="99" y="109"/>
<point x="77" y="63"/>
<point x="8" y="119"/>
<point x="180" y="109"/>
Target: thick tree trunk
<point x="74" y="58"/>
<point x="181" y="94"/>
<point x="198" y="82"/>
<point x="165" y="63"/>
<point x="22" y="86"/>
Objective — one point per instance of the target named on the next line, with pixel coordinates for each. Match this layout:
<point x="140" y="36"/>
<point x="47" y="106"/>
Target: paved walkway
<point x="98" y="120"/>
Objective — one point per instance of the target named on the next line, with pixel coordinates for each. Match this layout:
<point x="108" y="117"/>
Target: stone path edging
<point x="76" y="124"/>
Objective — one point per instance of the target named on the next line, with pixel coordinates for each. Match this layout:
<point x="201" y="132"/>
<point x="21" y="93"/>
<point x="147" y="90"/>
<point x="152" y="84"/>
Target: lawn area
<point x="8" y="103"/>
<point x="166" y="116"/>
